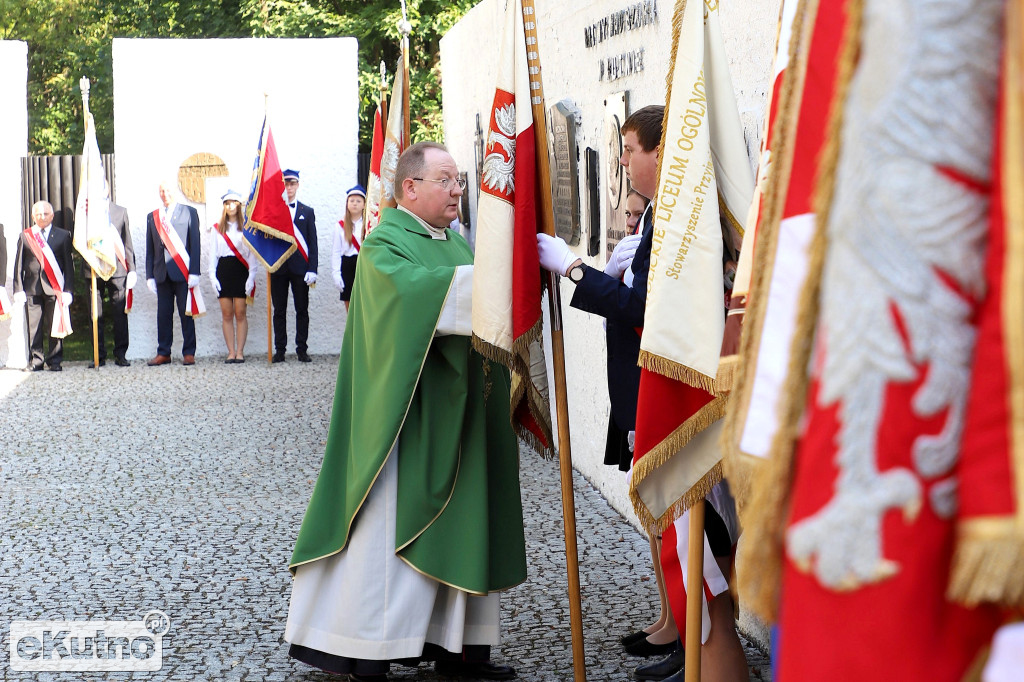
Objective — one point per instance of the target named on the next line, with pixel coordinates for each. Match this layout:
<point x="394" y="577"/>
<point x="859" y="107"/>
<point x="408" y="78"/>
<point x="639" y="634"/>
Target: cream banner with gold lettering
<point x="703" y="167"/>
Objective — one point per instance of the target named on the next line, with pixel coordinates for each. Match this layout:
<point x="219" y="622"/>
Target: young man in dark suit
<point x="165" y="277"/>
<point x="34" y="287"/>
<point x="298" y="272"/>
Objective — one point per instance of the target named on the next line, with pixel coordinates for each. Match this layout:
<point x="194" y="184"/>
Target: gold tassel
<point x="676" y="371"/>
<point x="768" y="509"/>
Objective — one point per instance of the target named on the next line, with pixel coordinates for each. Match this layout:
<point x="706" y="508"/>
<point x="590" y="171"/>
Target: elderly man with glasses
<point x="416" y="521"/>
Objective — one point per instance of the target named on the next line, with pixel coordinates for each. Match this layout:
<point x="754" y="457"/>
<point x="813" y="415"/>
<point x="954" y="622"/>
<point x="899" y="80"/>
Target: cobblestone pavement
<point x="182" y="489"/>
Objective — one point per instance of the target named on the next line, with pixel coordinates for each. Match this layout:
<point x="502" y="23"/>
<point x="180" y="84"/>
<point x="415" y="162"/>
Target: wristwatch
<point x="576" y="274"/>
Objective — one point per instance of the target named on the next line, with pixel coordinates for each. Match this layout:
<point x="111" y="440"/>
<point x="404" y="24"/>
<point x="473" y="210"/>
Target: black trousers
<point x="168" y="294"/>
<point x="115" y="290"/>
<point x="39" y="313"/>
<point x="279" y="283"/>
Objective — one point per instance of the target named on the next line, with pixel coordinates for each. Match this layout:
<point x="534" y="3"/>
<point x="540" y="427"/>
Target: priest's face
<point x="434" y="203"/>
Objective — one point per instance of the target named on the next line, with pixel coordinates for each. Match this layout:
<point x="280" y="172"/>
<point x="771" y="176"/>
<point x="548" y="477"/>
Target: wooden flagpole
<point x="405" y="28"/>
<point x="83" y="83"/>
<point x="557" y="347"/>
<point x="694" y="592"/>
<point x="383" y="97"/>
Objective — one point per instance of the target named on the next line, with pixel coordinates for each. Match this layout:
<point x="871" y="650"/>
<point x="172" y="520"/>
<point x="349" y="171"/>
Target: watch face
<point x="576" y="274"/>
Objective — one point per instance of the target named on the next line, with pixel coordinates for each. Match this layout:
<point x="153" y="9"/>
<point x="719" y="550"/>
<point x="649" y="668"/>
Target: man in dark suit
<point x="297" y="272"/>
<point x="173" y="223"/>
<point x="117" y="288"/>
<point x="37" y="289"/>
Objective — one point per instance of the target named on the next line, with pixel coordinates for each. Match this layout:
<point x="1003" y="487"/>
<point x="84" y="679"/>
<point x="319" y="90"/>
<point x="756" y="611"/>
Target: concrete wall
<point x="13" y="146"/>
<point x="173" y="98"/>
<point x="572" y="70"/>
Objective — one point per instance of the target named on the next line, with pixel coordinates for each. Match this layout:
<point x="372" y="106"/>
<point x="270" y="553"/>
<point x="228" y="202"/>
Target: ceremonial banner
<point x="94" y="237"/>
<point x="507" y="302"/>
<point x="268" y="228"/>
<point x="990" y="544"/>
<point x="704" y="183"/>
<point x="904" y="198"/>
<point x="393" y="144"/>
<point x="371" y="216"/>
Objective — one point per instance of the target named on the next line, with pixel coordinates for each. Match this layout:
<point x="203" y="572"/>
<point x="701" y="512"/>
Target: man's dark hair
<point x="646" y="123"/>
<point x="412" y="165"/>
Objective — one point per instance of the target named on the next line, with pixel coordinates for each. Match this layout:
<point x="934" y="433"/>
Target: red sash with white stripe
<point x="194" y="306"/>
<point x="250" y="293"/>
<point x="33" y="238"/>
<point x="119" y="251"/>
<point x="5" y="304"/>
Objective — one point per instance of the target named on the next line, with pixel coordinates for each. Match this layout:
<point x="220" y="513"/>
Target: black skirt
<point x="232" y="275"/>
<point x="348" y="275"/>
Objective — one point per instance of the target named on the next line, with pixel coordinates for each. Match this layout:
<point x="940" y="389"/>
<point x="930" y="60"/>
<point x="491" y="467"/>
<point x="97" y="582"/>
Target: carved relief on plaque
<point x="615" y="213"/>
<point x="192" y="175"/>
<point x="564" y="119"/>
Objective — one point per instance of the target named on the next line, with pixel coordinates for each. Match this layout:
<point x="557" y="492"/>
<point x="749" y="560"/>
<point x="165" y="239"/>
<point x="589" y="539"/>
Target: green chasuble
<point x="460" y="517"/>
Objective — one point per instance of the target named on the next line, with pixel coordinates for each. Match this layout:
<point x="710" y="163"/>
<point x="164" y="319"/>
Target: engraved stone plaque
<point x="564" y="119"/>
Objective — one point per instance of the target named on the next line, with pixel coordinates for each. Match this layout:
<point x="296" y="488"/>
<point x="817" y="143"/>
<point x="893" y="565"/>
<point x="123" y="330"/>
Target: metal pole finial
<point x="404" y="27"/>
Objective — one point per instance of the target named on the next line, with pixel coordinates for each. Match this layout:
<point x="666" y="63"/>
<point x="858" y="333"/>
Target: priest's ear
<point x="408" y="189"/>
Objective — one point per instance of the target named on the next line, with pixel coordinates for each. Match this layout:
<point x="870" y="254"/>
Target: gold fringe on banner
<point x="659" y="456"/>
<point x="760" y="579"/>
<point x="677" y="371"/>
<point x="739" y="467"/>
<point x="990" y="551"/>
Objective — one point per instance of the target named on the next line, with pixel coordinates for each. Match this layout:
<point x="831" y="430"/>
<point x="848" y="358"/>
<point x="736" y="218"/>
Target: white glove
<point x="250" y="281"/>
<point x="310" y="278"/>
<point x="214" y="281"/>
<point x="151" y="283"/>
<point x="193" y="281"/>
<point x="622" y="256"/>
<point x="338" y="283"/>
<point x="130" y="280"/>
<point x="631" y="439"/>
<point x="20" y="298"/>
<point x="555" y="255"/>
<point x="67" y="297"/>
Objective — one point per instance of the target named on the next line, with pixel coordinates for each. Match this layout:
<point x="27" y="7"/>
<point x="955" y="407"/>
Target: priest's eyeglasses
<point x="447" y="184"/>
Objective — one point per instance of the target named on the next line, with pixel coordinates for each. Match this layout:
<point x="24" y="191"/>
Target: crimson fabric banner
<point x="268" y="229"/>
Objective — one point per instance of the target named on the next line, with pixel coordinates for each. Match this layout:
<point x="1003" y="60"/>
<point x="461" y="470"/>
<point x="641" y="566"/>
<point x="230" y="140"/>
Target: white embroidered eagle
<point x="906" y="248"/>
<point x="499" y="169"/>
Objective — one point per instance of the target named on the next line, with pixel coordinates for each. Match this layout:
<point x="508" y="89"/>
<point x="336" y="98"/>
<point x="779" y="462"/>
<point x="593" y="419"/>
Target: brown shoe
<point x="159" y="360"/>
<point x="188" y="360"/>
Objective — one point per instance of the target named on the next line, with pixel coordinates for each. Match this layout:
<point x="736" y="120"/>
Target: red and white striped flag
<point x="705" y="187"/>
<point x="373" y="184"/>
<point x="507" y="301"/>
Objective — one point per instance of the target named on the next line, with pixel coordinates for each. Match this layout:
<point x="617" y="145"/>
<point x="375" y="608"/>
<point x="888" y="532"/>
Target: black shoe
<point x="304" y="356"/>
<point x="120" y="361"/>
<point x="54" y="368"/>
<point x="676" y="677"/>
<point x="103" y="363"/>
<point x="643" y="647"/>
<point x="34" y="368"/>
<point x="481" y="670"/>
<point x="633" y="637"/>
<point x="278" y="357"/>
<point x="662" y="669"/>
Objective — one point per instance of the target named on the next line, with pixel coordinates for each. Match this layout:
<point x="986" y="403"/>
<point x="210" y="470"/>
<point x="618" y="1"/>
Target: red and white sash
<point x="119" y="252"/>
<point x="5" y="304"/>
<point x="61" y="326"/>
<point x="250" y="293"/>
<point x="194" y="306"/>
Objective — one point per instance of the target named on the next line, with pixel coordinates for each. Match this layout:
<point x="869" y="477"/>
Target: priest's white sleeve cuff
<point x="457" y="313"/>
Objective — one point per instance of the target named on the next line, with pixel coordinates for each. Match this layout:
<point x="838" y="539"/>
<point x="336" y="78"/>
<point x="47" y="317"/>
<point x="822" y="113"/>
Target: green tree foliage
<point x="71" y="38"/>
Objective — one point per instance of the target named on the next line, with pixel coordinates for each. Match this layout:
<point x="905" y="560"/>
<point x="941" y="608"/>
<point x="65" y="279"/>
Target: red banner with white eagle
<point x="903" y="201"/>
<point x="373" y="184"/>
<point x="507" y="292"/>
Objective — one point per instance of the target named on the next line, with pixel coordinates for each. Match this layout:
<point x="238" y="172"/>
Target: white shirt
<point x="220" y="249"/>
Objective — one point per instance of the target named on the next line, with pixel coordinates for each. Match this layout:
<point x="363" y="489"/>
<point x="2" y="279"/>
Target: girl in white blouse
<point x="232" y="269"/>
<point x="347" y="237"/>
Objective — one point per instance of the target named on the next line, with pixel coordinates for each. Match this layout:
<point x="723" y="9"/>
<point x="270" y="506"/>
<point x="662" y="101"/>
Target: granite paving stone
<point x="124" y="490"/>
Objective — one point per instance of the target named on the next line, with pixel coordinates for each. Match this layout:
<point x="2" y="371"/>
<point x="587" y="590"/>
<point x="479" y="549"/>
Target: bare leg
<point x="242" y="325"/>
<point x="226" y="323"/>
<point x="664" y="629"/>
<point x="722" y="658"/>
<point x="346" y="305"/>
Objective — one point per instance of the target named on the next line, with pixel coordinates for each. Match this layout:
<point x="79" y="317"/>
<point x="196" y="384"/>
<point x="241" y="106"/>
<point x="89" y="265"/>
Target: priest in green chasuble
<point x="416" y="521"/>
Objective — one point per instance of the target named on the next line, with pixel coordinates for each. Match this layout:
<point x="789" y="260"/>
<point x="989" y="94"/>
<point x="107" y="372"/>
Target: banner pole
<point x="694" y="592"/>
<point x="95" y="323"/>
<point x="557" y="348"/>
<point x="270" y="331"/>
